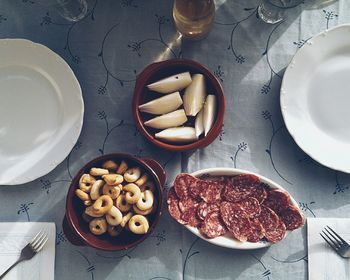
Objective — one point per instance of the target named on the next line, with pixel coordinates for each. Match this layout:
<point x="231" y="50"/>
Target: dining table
<point x="107" y="49"/>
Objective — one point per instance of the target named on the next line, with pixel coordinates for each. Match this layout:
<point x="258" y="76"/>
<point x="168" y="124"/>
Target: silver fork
<point x="30" y="250"/>
<point x="338" y="244"/>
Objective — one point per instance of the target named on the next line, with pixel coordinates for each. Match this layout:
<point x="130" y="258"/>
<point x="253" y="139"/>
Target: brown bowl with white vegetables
<point x="179" y="105"/>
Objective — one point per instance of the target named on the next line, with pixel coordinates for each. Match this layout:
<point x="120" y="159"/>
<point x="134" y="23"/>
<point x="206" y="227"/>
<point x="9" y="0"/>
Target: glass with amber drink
<point x="194" y="18"/>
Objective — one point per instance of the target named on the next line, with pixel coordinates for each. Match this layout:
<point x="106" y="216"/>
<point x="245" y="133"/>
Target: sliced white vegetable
<point x="172" y="83"/>
<point x="194" y="96"/>
<point x="198" y="125"/>
<point x="209" y="113"/>
<point x="177" y="134"/>
<point x="172" y="119"/>
<point x="162" y="105"/>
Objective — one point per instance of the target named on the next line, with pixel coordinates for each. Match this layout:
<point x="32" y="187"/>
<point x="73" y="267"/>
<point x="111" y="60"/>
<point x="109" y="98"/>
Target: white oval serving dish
<point x="227" y="240"/>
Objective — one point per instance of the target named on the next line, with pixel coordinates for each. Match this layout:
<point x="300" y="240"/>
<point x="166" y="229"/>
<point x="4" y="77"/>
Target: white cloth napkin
<point x="324" y="263"/>
<point x="13" y="237"/>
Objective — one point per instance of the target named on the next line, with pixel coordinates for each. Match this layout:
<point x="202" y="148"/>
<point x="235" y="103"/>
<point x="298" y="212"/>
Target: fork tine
<point x="42" y="244"/>
<point x="336" y="234"/>
<point x="38" y="244"/>
<point x="329" y="243"/>
<point x="335" y="243"/>
<point x="38" y="240"/>
<point x="36" y="236"/>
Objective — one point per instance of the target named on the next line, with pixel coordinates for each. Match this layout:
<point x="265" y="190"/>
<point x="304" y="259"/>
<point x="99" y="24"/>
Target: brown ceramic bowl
<point x="160" y="70"/>
<point x="77" y="230"/>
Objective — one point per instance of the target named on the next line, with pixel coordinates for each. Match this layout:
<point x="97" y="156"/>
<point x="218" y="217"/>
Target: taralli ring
<point x="138" y="224"/>
<point x="133" y="193"/>
<point x="110" y="165"/>
<point x="149" y="186"/>
<point x="103" y="204"/>
<point x="142" y="212"/>
<point x="88" y="202"/>
<point x="98" y="226"/>
<point x="142" y="180"/>
<point x="82" y="195"/>
<point x="85" y="182"/>
<point x="114" y="216"/>
<point x="95" y="189"/>
<point x="122" y="167"/>
<point x="92" y="213"/>
<point x="113" y="179"/>
<point x="112" y="191"/>
<point x="146" y="200"/>
<point x="98" y="171"/>
<point x="126" y="219"/>
<point x="114" y="230"/>
<point x="132" y="175"/>
<point x="122" y="204"/>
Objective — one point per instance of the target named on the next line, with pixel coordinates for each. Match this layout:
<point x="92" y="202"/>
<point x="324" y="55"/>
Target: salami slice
<point x="213" y="226"/>
<point x="195" y="189"/>
<point x="277" y="200"/>
<point x="205" y="208"/>
<point x="257" y="231"/>
<point x="172" y="195"/>
<point x="240" y="187"/>
<point x="173" y="206"/>
<point x="211" y="191"/>
<point x="250" y="206"/>
<point x="274" y="228"/>
<point x="187" y="204"/>
<point x="292" y="218"/>
<point x="190" y="217"/>
<point x="222" y="179"/>
<point x="182" y="184"/>
<point x="235" y="220"/>
<point x="259" y="192"/>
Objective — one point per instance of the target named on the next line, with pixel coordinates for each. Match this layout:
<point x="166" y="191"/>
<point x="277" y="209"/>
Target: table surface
<point x="106" y="50"/>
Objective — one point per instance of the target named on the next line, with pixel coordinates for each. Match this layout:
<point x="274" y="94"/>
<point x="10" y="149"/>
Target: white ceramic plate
<point x="228" y="240"/>
<point x="315" y="98"/>
<point x="41" y="110"/>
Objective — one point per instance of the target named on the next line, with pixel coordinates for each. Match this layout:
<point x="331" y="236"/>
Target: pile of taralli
<point x="116" y="197"/>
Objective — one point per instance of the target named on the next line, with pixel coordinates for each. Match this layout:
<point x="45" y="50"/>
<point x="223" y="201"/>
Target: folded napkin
<point x="324" y="263"/>
<point x="13" y="237"/>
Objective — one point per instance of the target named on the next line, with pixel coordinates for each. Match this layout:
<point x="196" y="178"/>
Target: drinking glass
<point x="273" y="11"/>
<point x="72" y="10"/>
<point x="194" y="18"/>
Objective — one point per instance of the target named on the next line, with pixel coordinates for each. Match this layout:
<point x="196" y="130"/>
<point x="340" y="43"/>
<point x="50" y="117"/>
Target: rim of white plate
<point x="310" y="42"/>
<point x="73" y="137"/>
<point x="229" y="241"/>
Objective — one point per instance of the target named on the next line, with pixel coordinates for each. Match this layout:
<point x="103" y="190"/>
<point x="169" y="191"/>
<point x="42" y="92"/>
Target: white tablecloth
<point x="106" y="50"/>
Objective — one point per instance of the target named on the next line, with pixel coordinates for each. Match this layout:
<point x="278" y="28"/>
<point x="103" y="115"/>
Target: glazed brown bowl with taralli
<point x="159" y="71"/>
<point x="80" y="232"/>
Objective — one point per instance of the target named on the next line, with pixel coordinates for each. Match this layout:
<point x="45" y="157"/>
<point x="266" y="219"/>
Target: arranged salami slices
<point x="182" y="185"/>
<point x="278" y="200"/>
<point x="274" y="228"/>
<point x="213" y="226"/>
<point x="242" y="205"/>
<point x="205" y="208"/>
<point x="243" y="186"/>
<point x="173" y="206"/>
<point x="292" y="218"/>
<point x="211" y="191"/>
